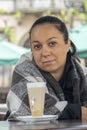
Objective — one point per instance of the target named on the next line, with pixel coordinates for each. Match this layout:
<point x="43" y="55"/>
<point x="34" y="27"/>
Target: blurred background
<point x="16" y="18"/>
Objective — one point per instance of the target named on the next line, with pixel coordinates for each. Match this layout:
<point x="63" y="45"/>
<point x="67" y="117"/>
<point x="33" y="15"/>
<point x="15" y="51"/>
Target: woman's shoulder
<point x="27" y="69"/>
<point x="24" y="64"/>
<point x="81" y="66"/>
<point x="24" y="57"/>
<point x="84" y="69"/>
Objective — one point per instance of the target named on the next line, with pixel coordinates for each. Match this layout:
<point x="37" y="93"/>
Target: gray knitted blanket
<point x="26" y="71"/>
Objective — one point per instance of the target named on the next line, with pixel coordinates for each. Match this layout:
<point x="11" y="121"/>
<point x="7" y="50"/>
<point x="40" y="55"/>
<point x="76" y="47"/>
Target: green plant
<point x="10" y="34"/>
<point x="1" y="11"/>
<point x="17" y="15"/>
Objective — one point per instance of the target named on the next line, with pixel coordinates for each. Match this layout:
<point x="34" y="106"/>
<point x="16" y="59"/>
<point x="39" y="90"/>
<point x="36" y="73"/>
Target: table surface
<point x="55" y="125"/>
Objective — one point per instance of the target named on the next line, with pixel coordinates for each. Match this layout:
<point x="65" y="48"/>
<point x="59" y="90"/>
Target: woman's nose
<point x="45" y="51"/>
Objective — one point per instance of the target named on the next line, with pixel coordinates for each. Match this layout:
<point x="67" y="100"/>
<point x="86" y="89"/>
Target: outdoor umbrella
<point x="10" y="53"/>
<point x="79" y="36"/>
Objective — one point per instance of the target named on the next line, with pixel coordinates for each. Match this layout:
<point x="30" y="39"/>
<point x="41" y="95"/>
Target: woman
<point x="54" y="60"/>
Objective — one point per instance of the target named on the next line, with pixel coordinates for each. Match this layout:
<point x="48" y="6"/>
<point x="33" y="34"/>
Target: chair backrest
<point x="3" y="111"/>
<point x="2" y="115"/>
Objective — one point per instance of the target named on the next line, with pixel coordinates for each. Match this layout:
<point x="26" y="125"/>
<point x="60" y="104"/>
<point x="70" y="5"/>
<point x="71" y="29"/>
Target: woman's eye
<point x="37" y="46"/>
<point x="52" y="43"/>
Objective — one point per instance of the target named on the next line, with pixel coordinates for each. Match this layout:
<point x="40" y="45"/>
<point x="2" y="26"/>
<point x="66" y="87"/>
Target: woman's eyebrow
<point x="35" y="42"/>
<point x="51" y="38"/>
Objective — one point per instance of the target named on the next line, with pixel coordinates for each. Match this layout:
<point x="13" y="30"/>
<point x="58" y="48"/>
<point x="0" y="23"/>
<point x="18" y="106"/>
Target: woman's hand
<point x="84" y="114"/>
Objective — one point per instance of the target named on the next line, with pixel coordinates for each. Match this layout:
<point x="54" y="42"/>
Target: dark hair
<point x="59" y="24"/>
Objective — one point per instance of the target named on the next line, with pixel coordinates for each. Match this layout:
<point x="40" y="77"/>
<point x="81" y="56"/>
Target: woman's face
<point x="48" y="48"/>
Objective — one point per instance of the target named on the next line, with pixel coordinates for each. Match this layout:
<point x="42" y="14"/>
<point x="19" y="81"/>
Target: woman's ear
<point x="68" y="44"/>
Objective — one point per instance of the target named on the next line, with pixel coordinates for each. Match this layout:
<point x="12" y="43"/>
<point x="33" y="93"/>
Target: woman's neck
<point x="58" y="74"/>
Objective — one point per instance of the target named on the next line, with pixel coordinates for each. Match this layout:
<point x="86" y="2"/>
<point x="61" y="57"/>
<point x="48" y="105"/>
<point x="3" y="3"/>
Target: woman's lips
<point x="48" y="62"/>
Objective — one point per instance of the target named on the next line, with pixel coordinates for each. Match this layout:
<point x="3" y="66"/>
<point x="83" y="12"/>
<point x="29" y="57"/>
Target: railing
<point x="29" y="5"/>
<point x="5" y="81"/>
<point x="40" y="5"/>
<point x="5" y="75"/>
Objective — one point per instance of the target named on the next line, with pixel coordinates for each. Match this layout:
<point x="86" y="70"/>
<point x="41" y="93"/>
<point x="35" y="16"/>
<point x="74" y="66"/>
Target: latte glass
<point x="36" y="94"/>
